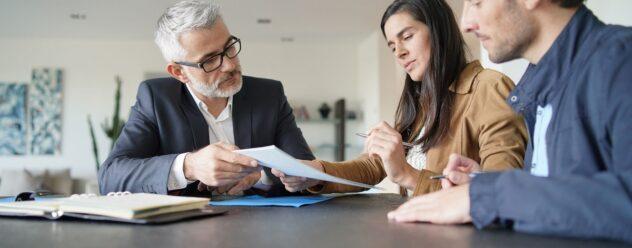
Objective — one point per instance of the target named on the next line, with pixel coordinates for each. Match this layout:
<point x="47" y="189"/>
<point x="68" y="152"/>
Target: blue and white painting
<point x="45" y="111"/>
<point x="12" y="119"/>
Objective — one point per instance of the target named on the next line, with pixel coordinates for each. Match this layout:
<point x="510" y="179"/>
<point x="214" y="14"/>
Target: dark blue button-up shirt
<point x="586" y="77"/>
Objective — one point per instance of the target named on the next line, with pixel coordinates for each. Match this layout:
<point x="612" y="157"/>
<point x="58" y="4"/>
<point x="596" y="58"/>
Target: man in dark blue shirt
<point x="576" y="97"/>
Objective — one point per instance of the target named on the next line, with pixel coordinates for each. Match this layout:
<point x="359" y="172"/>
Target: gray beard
<point x="212" y="90"/>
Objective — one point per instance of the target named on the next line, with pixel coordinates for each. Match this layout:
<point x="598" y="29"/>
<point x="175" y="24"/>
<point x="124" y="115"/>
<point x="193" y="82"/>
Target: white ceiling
<point x="135" y="19"/>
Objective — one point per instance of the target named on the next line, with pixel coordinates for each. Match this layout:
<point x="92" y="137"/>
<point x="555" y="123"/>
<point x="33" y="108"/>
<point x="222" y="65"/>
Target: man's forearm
<point x="149" y="175"/>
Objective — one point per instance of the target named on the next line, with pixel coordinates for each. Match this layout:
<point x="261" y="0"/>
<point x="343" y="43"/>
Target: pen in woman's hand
<point x="406" y="144"/>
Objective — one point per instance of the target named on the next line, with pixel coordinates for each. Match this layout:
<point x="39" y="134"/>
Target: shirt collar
<point x="466" y="79"/>
<point x="227" y="112"/>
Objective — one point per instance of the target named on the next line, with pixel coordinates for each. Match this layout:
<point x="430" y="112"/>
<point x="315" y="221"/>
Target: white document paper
<point x="275" y="158"/>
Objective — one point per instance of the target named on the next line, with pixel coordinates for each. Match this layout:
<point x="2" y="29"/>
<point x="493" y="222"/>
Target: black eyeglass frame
<point x="231" y="42"/>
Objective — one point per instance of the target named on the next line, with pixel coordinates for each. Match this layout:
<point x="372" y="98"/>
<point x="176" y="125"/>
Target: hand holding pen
<point x="471" y="175"/>
<point x="385" y="142"/>
<point x="406" y="144"/>
<point x="459" y="170"/>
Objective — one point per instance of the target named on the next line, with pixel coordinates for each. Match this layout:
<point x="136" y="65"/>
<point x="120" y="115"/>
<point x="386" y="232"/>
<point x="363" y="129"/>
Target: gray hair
<point x="180" y="18"/>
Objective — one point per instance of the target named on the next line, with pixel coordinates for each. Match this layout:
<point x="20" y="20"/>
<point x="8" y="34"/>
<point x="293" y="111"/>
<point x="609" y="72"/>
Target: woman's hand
<point x="294" y="184"/>
<point x="386" y="143"/>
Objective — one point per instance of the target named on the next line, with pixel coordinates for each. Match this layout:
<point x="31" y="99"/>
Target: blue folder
<point x="259" y="201"/>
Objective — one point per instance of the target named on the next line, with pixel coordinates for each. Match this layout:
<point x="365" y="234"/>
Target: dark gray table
<point x="349" y="221"/>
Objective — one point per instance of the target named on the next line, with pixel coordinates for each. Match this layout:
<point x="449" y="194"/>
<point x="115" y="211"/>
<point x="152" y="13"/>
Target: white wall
<point x="369" y="78"/>
<point x="88" y="68"/>
<point x="309" y="71"/>
<point x="380" y="80"/>
<point x="312" y="73"/>
<point x="612" y="11"/>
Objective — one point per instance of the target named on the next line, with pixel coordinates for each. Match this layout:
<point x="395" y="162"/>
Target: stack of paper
<point x="275" y="158"/>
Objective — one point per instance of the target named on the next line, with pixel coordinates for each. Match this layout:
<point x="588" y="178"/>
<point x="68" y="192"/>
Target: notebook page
<point x="132" y="205"/>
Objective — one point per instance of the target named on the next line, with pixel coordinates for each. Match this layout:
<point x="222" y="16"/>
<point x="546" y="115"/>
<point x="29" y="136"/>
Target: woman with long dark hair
<point x="447" y="106"/>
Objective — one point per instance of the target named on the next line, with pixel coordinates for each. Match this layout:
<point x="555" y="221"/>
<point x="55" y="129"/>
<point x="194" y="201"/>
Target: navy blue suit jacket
<point x="165" y="122"/>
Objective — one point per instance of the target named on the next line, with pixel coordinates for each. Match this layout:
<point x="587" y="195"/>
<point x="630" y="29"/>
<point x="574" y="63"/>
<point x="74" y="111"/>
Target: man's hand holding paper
<point x="291" y="170"/>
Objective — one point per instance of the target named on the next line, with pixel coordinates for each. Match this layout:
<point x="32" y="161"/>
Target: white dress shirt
<point x="220" y="129"/>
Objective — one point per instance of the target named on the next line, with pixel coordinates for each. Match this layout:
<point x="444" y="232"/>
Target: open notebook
<point x="135" y="208"/>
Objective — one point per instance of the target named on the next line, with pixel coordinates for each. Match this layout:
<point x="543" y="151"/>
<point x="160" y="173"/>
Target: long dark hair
<point x="429" y="103"/>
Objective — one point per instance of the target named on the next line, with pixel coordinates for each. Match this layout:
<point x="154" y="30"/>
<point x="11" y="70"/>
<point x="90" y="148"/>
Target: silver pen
<point x="472" y="175"/>
<point x="406" y="144"/>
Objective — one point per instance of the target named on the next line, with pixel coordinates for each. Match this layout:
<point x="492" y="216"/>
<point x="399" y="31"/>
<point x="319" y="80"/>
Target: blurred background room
<point x="61" y="60"/>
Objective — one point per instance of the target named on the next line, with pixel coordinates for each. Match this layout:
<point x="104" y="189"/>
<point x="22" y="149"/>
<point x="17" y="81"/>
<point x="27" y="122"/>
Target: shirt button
<point x="514" y="98"/>
<point x="539" y="112"/>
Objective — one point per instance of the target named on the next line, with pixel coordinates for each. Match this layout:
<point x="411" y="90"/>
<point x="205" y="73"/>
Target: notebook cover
<point x="159" y="219"/>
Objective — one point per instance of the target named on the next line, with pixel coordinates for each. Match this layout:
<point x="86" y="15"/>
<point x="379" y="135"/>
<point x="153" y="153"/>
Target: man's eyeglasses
<point x="214" y="62"/>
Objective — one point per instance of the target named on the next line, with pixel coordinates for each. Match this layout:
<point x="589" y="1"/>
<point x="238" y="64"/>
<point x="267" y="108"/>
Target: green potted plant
<point x="112" y="128"/>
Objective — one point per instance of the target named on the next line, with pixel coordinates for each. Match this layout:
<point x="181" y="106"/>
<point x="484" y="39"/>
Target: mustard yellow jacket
<point x="483" y="127"/>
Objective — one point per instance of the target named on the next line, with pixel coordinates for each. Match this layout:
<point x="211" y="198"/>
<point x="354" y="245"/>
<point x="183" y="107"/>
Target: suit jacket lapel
<point x="242" y="119"/>
<point x="197" y="124"/>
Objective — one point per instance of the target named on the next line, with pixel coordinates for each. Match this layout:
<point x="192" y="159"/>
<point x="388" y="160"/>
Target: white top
<point x="220" y="129"/>
<point x="539" y="160"/>
<point x="416" y="158"/>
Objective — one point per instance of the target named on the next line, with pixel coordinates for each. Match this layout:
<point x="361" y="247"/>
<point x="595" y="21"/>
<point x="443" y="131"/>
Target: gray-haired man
<point x="182" y="130"/>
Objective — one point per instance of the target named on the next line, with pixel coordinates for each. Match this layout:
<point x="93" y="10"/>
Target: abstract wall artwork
<point x="31" y="115"/>
<point x="44" y="108"/>
<point x="13" y="118"/>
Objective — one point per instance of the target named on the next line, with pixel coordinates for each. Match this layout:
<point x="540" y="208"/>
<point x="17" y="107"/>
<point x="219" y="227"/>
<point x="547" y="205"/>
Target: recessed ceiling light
<point x="287" y="39"/>
<point x="78" y="16"/>
<point x="264" y="21"/>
